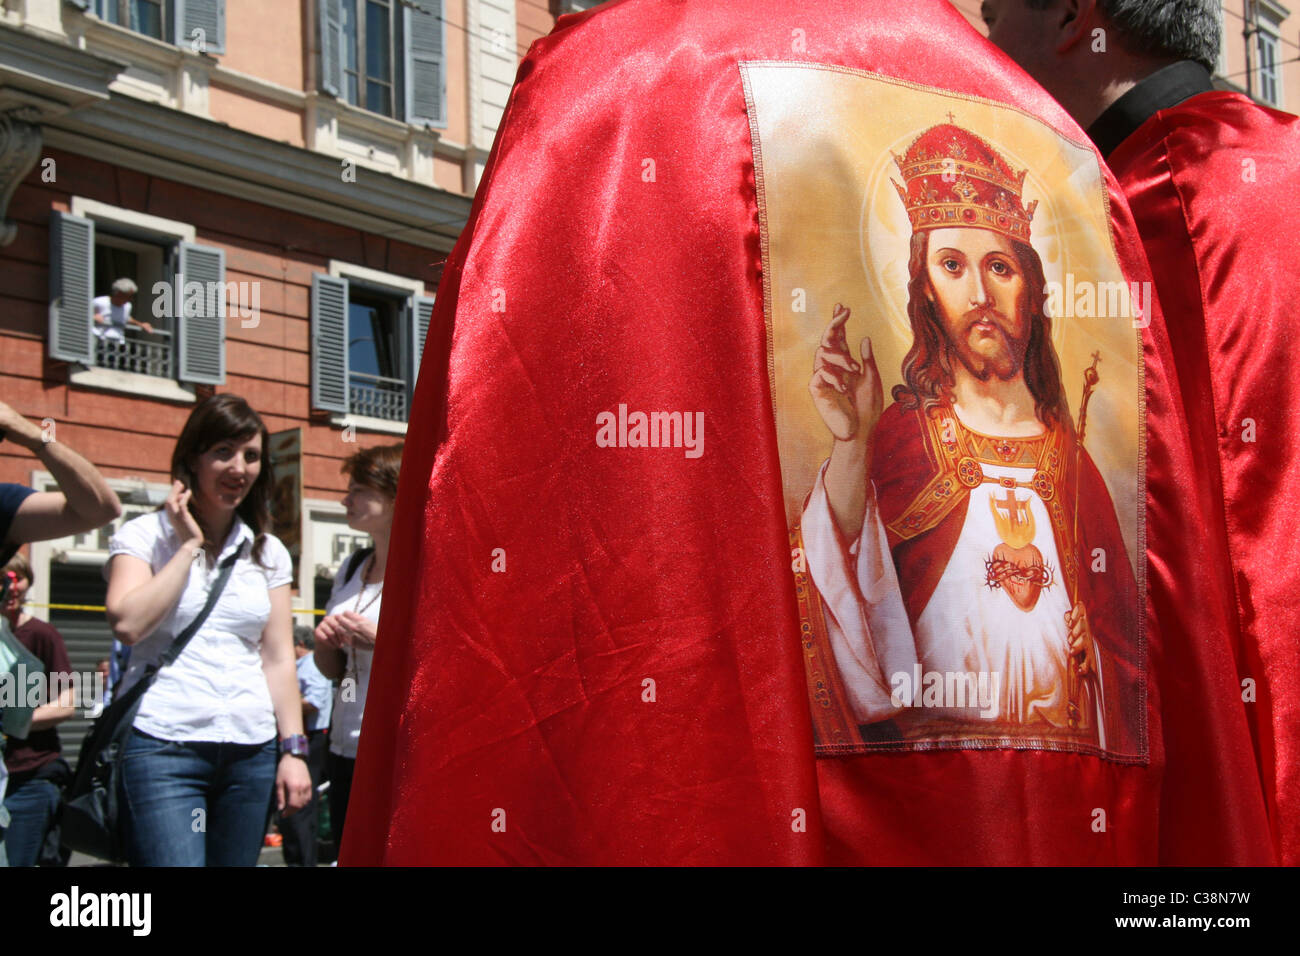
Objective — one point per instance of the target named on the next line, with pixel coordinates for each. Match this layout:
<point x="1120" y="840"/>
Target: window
<point x="368" y="332"/>
<point x="376" y="383"/>
<point x="198" y="24"/>
<point x="89" y="252"/>
<point x="1267" y="16"/>
<point x="142" y="16"/>
<point x="1269" y="81"/>
<point x="368" y="55"/>
<point x="131" y="349"/>
<point x="385" y="56"/>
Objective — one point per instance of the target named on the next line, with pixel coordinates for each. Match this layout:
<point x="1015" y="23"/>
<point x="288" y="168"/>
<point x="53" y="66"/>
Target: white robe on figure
<point x="967" y="627"/>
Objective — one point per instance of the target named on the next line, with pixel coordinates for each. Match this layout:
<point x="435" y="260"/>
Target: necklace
<point x="357" y="606"/>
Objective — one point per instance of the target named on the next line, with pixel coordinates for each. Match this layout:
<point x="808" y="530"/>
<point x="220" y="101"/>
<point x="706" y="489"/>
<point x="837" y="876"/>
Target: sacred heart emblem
<point x="1020" y="572"/>
<point x="1016" y="565"/>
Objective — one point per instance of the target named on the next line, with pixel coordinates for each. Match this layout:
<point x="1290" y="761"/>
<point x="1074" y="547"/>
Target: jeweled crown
<point x="955" y="178"/>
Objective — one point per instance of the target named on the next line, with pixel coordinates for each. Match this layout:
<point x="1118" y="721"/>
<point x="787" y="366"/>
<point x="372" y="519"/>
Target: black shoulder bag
<point x="91" y="817"/>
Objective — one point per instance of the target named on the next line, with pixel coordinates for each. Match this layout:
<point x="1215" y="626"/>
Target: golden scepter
<point x="1074" y="679"/>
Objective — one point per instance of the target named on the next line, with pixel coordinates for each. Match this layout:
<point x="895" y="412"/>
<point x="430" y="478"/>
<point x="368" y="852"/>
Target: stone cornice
<point x="199" y="152"/>
<point x="51" y="76"/>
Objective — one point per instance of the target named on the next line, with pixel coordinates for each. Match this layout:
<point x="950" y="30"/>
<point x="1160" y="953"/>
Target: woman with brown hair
<point x="345" y="638"/>
<point x="201" y="762"/>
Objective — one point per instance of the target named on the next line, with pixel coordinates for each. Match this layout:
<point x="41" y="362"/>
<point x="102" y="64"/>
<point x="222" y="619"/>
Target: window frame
<point x="144" y="228"/>
<point x="123" y="20"/>
<point x="395" y="304"/>
<point x="1268" y="41"/>
<point x="123" y="238"/>
<point x="417" y="75"/>
<point x="175" y="238"/>
<point x="411" y="292"/>
<point x="1267" y="21"/>
<point x="362" y="72"/>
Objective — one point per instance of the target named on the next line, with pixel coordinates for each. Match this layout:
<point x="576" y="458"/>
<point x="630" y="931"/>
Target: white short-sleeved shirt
<point x="215" y="690"/>
<point x="346" y="729"/>
<point x="116" y="315"/>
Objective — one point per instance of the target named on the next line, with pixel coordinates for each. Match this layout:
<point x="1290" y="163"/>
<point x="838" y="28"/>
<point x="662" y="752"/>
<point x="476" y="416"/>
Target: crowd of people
<point x="254" y="716"/>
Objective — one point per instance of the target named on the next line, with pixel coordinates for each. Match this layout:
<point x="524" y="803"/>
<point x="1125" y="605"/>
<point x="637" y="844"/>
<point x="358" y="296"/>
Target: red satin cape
<point x="627" y="687"/>
<point x="1214" y="185"/>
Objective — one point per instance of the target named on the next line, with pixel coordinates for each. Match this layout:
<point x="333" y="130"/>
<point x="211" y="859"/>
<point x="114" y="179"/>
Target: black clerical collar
<point x="1164" y="88"/>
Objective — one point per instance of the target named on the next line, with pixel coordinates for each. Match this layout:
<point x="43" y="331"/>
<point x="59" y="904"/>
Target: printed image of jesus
<point x="963" y="529"/>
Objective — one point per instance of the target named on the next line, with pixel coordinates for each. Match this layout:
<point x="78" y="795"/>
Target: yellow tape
<point x="99" y="607"/>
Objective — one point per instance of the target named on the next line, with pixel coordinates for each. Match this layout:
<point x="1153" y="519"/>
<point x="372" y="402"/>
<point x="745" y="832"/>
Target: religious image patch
<point x="958" y="386"/>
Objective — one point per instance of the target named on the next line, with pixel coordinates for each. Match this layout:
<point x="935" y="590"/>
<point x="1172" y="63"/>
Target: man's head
<point x="976" y="300"/>
<point x="122" y="291"/>
<point x="976" y="283"/>
<point x="1088" y="53"/>
<point x="976" y="290"/>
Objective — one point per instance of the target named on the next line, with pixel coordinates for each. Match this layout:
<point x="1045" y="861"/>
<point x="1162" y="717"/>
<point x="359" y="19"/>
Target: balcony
<point x="141" y="354"/>
<point x="377" y="397"/>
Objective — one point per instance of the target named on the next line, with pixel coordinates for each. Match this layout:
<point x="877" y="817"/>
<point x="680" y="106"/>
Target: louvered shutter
<point x="202" y="324"/>
<point x="72" y="267"/>
<point x="206" y="15"/>
<point x="329" y="343"/>
<point x="329" y="15"/>
<point x="426" y="82"/>
<point x="421" y="313"/>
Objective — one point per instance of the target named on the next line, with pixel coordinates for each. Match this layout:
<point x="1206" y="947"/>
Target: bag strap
<point x="214" y="593"/>
<point x="358" y="557"/>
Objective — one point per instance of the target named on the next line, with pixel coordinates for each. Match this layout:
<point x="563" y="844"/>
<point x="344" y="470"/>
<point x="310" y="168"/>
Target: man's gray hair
<point x="1184" y="29"/>
<point x="123" y="287"/>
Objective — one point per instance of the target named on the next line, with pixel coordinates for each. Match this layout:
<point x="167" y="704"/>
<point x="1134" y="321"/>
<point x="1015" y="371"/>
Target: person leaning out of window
<point x="201" y="764"/>
<point x="112" y="312"/>
<point x="345" y="637"/>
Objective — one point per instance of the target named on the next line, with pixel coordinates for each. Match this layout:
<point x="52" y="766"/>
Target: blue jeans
<point x="31" y="811"/>
<point x="195" y="803"/>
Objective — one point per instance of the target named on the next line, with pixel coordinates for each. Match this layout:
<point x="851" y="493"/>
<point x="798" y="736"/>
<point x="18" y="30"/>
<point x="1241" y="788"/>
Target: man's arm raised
<point x="83" y="502"/>
<point x="849" y="398"/>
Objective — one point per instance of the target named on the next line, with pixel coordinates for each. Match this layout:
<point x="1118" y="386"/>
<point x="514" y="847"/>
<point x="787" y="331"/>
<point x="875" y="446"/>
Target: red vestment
<point x="591" y="654"/>
<point x="1213" y="184"/>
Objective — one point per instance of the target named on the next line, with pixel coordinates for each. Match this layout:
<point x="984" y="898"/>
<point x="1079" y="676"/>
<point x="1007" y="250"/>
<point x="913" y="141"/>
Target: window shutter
<point x="206" y="15"/>
<point x="329" y="14"/>
<point x="72" y="267"/>
<point x="421" y="312"/>
<point x="329" y="343"/>
<point x="426" y="82"/>
<point x="202" y="323"/>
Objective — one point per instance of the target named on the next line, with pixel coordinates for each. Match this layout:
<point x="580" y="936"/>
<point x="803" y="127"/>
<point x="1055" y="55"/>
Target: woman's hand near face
<point x="178" y="512"/>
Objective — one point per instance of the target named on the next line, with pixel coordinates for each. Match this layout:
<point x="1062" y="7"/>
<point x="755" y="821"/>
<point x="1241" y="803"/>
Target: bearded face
<point x="979" y="292"/>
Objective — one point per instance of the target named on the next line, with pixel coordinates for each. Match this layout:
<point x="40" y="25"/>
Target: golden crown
<point x="954" y="178"/>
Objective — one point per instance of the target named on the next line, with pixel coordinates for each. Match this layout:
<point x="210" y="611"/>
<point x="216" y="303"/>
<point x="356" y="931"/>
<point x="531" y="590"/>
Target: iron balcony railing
<point x="377" y="397"/>
<point x="144" y="354"/>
